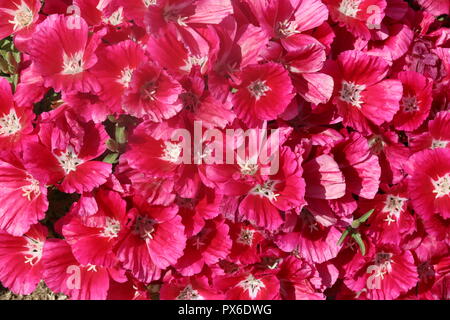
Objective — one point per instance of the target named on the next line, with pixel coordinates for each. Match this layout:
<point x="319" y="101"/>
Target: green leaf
<point x="111" y="158"/>
<point x="356" y="223"/>
<point x="112" y="119"/>
<point x="121" y="135"/>
<point x="343" y="236"/>
<point x="112" y="145"/>
<point x="360" y="242"/>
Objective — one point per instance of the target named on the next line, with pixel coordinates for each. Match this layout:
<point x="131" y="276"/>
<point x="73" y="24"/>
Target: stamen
<point x="149" y="3"/>
<point x="116" y="17"/>
<point x="252" y="285"/>
<point x="172" y="152"/>
<point x="409" y="104"/>
<point x="248" y="168"/>
<point x="286" y="28"/>
<point x="23" y="16"/>
<point x="10" y="124"/>
<point x="148" y="91"/>
<point x="393" y="207"/>
<point x="188" y="293"/>
<point x="73" y="64"/>
<point x="34" y="253"/>
<point x="349" y="8"/>
<point x="258" y="89"/>
<point x="438" y="144"/>
<point x="125" y="77"/>
<point x="144" y="227"/>
<point x="111" y="229"/>
<point x="194" y="61"/>
<point x="384" y="262"/>
<point x="246" y="236"/>
<point x="266" y="190"/>
<point x="442" y="186"/>
<point x="69" y="160"/>
<point x="351" y="93"/>
<point x="91" y="267"/>
<point x="31" y="190"/>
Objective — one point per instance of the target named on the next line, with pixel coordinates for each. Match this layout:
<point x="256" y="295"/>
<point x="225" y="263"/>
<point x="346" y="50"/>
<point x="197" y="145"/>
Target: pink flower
<point x="382" y="274"/>
<point x="207" y="247"/>
<point x="152" y="94"/>
<point x="245" y="239"/>
<point x="309" y="239"/>
<point x="93" y="238"/>
<point x="362" y="96"/>
<point x="63" y="273"/>
<point x="305" y="58"/>
<point x="392" y="221"/>
<point x="282" y="191"/>
<point x="429" y="183"/>
<point x="15" y="121"/>
<point x="114" y="72"/>
<point x="23" y="197"/>
<point x="357" y="16"/>
<point x="21" y="256"/>
<point x="263" y="93"/>
<point x="18" y="17"/>
<point x="416" y="101"/>
<point x="285" y="18"/>
<point x="437" y="136"/>
<point x="436" y="7"/>
<point x="299" y="280"/>
<point x="153" y="239"/>
<point x="65" y="151"/>
<point x="64" y="54"/>
<point x="249" y="285"/>
<point x="188" y="288"/>
<point x="361" y="169"/>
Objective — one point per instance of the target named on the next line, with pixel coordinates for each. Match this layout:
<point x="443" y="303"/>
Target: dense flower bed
<point x="348" y="99"/>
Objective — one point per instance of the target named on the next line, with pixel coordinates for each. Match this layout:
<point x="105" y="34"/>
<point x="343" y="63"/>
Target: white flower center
<point x="69" y="160"/>
<point x="188" y="293"/>
<point x="125" y="77"/>
<point x="73" y="64"/>
<point x="172" y="152"/>
<point x="437" y="144"/>
<point x="31" y="190"/>
<point x="148" y="91"/>
<point x="286" y="28"/>
<point x="383" y="261"/>
<point x="91" y="267"/>
<point x="171" y="13"/>
<point x="111" y="229"/>
<point x="409" y="104"/>
<point x="149" y="3"/>
<point x="194" y="61"/>
<point x="34" y="253"/>
<point x="246" y="236"/>
<point x="248" y="168"/>
<point x="258" y="89"/>
<point x="116" y="17"/>
<point x="349" y="8"/>
<point x="351" y="93"/>
<point x="393" y="206"/>
<point x="10" y="124"/>
<point x="252" y="285"/>
<point x="144" y="227"/>
<point x="23" y="16"/>
<point x="442" y="186"/>
<point x="266" y="190"/>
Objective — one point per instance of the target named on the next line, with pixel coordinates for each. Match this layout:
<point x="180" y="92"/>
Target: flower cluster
<point x="350" y="99"/>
